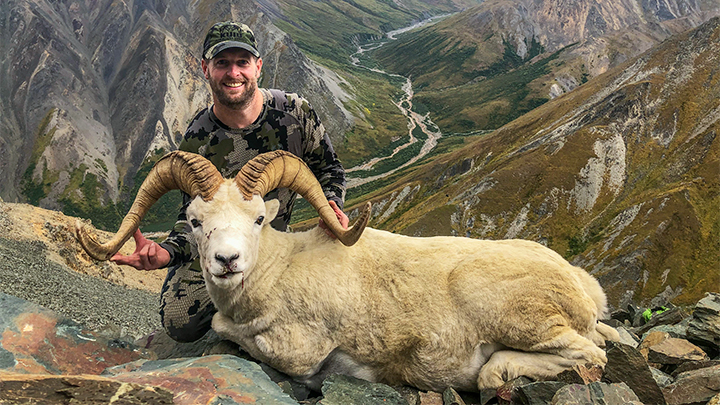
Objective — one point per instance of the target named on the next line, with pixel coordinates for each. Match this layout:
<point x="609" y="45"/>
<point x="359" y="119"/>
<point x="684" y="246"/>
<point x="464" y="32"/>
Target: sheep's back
<point x="477" y="287"/>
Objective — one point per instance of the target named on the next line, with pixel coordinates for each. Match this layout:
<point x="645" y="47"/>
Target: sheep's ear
<point x="271" y="210"/>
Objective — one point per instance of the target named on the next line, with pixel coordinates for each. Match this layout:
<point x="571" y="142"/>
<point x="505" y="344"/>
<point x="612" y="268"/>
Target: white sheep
<point x="428" y="312"/>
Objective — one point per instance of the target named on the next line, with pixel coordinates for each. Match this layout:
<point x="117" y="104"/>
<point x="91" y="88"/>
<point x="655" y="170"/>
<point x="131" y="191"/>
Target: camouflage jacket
<point x="287" y="122"/>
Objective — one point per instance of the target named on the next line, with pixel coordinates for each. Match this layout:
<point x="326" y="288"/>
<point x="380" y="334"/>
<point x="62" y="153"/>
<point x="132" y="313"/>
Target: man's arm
<point x="177" y="248"/>
<point x="148" y="255"/>
<point x="180" y="244"/>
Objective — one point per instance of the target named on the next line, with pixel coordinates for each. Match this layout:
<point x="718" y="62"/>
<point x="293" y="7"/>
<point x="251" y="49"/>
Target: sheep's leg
<point x="338" y="362"/>
<point x="567" y="343"/>
<point x="543" y="360"/>
<point x="602" y="333"/>
<point x="243" y="335"/>
<point x="288" y="347"/>
<point x="506" y="365"/>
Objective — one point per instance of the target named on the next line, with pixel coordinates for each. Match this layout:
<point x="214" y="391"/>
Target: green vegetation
<point x="465" y="82"/>
<point x="580" y="243"/>
<point x="388" y="164"/>
<point x="489" y="103"/>
<point x="302" y="211"/>
<point x="36" y="191"/>
<point x="451" y="142"/>
<point x="383" y="122"/>
<point x="330" y="30"/>
<point x="88" y="203"/>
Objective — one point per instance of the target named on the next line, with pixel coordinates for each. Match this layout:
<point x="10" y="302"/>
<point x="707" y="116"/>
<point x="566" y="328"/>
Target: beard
<point x="237" y="101"/>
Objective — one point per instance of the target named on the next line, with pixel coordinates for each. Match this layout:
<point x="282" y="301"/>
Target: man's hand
<point x="344" y="220"/>
<point x="148" y="255"/>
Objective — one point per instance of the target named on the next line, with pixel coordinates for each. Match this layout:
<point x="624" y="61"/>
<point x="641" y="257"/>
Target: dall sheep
<point x="431" y="312"/>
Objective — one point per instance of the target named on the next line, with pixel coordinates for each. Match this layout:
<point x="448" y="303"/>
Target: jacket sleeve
<point x="180" y="243"/>
<point x="321" y="158"/>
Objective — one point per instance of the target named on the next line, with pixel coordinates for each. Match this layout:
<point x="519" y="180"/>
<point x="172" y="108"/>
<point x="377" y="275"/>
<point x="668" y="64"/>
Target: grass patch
<point x="36" y="191"/>
<point x="488" y="104"/>
<point x="394" y="162"/>
<point x="82" y="198"/>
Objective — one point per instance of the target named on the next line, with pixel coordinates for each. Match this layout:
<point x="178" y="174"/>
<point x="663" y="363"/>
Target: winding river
<point x="415" y="120"/>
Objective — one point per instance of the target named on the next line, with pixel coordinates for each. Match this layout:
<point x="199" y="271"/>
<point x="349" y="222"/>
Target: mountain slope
<point x="619" y="175"/>
<point x="472" y="52"/>
<point x="91" y="92"/>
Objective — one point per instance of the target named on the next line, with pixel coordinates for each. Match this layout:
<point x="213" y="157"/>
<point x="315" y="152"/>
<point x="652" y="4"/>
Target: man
<point x="243" y="122"/>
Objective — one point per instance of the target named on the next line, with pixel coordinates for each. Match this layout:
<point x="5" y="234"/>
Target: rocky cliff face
<point x="90" y="89"/>
<point x="620" y="176"/>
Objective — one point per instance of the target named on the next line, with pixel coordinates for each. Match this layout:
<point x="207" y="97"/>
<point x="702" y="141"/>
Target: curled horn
<point x="271" y="170"/>
<point x="186" y="171"/>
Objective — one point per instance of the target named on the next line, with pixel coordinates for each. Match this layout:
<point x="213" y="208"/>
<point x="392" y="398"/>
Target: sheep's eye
<point x="260" y="220"/>
<point x="195" y="223"/>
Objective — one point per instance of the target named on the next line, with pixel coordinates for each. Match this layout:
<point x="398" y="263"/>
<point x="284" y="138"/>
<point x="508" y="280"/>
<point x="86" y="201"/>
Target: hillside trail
<point x="405" y="106"/>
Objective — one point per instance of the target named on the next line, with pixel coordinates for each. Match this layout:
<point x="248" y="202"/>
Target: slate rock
<point x="704" y="327"/>
<point x="661" y="378"/>
<point x="694" y="387"/>
<point x="451" y="397"/>
<point x="694" y="365"/>
<point x="651" y="339"/>
<point x="343" y="390"/>
<point x="627" y="365"/>
<point x="506" y="391"/>
<point x="628" y="337"/>
<point x="216" y="379"/>
<point x="678" y="330"/>
<point x="622" y="316"/>
<point x="580" y="374"/>
<point x="296" y="390"/>
<point x="411" y="394"/>
<point x="35" y="340"/>
<point x="488" y="395"/>
<point x="675" y="351"/>
<point x="537" y="393"/>
<point x="596" y="393"/>
<point x="430" y="398"/>
<point x="80" y="389"/>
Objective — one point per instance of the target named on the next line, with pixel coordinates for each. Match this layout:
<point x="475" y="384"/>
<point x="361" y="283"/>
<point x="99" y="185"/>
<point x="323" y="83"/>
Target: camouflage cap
<point x="228" y="34"/>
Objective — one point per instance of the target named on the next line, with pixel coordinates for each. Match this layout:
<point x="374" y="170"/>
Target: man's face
<point x="233" y="76"/>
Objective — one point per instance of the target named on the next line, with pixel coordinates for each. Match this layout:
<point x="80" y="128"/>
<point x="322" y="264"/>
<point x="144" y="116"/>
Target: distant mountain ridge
<point x="554" y="45"/>
<point x="619" y="175"/>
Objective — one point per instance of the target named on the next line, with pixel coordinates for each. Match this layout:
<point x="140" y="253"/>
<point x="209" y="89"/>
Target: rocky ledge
<point x="668" y="355"/>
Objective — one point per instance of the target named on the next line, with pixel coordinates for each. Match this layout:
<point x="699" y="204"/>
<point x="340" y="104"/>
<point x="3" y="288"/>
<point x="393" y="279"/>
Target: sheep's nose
<point x="225" y="260"/>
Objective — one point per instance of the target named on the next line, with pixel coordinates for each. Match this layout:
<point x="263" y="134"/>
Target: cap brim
<point x="217" y="48"/>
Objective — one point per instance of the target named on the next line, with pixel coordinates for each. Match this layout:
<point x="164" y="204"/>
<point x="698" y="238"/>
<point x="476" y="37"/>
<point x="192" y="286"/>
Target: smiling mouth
<point x="234" y="85"/>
